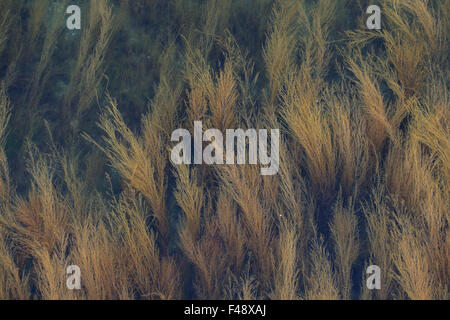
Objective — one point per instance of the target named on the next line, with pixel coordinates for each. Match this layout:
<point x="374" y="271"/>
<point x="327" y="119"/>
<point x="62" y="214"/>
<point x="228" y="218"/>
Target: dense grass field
<point x="86" y="178"/>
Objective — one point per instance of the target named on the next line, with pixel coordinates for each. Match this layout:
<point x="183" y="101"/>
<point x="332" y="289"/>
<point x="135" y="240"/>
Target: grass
<point x="85" y="124"/>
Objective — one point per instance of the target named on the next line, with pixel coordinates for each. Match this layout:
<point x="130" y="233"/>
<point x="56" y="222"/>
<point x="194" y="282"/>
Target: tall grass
<point x="85" y="124"/>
